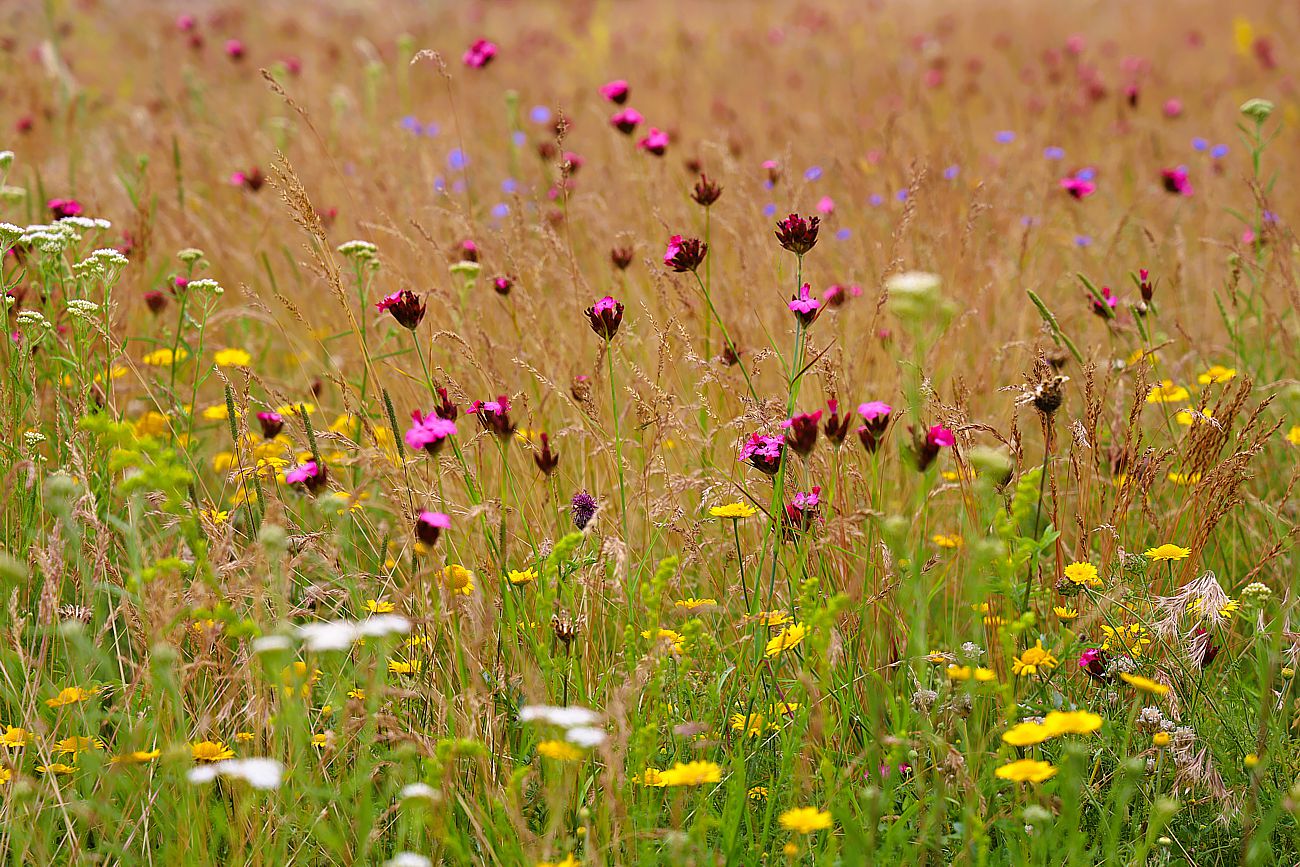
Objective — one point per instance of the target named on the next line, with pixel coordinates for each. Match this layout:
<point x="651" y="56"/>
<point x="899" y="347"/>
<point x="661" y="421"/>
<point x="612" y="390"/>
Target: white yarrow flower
<point x="259" y="773"/>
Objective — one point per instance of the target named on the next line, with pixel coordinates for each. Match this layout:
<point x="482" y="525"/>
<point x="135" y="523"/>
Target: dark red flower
<point x="796" y="234"/>
<point x="546" y="459"/>
<point x="406" y="307"/>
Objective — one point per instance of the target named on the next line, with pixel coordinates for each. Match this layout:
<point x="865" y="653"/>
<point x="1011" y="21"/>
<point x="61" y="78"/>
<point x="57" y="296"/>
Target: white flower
<point x="205" y="284"/>
<point x="912" y="283"/>
<point x="33" y="319"/>
<point x="419" y="790"/>
<point x="258" y="773"/>
<point x="6" y="160"/>
<point x="190" y="255"/>
<point x="10" y="195"/>
<point x="79" y="222"/>
<point x="342" y="634"/>
<point x="110" y="258"/>
<point x="565" y="717"/>
<point x="585" y="736"/>
<point x="83" y="309"/>
<point x="271" y="643"/>
<point x="408" y="859"/>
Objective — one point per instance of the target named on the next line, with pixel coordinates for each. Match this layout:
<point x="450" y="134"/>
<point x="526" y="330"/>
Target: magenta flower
<point x="406" y="307"/>
<point x="494" y="416"/>
<point x="940" y="436"/>
<point x="429" y="432"/>
<point x="876" y="414"/>
<point x="835" y="427"/>
<point x="835" y="294"/>
<point x="155" y="301"/>
<point x="308" y="474"/>
<point x="61" y="208"/>
<point x="615" y="91"/>
<point x="805" y="307"/>
<point x="186" y="23"/>
<point x="684" y="254"/>
<point x="801" y="432"/>
<point x="480" y="54"/>
<point x="1145" y="286"/>
<point x="1078" y="188"/>
<point x="468" y="251"/>
<point x="1173" y="108"/>
<point x="272" y="423"/>
<point x="763" y="452"/>
<point x="1094" y="663"/>
<point x="251" y="179"/>
<point x="925" y="449"/>
<point x="655" y="142"/>
<point x="546" y="459"/>
<point x="605" y="317"/>
<point x="625" y="120"/>
<point x="706" y="192"/>
<point x="234" y="49"/>
<point x="825" y="205"/>
<point x="428" y="526"/>
<point x="1176" y="181"/>
<point x="801" y="514"/>
<point x="773" y="170"/>
<point x="503" y="284"/>
<point x="1105" y="306"/>
<point x="445" y="408"/>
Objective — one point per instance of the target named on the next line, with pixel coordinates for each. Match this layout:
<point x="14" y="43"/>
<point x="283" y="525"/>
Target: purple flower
<point x="796" y="234"/>
<point x="814" y="173"/>
<point x="494" y="416"/>
<point x="583" y="507"/>
<point x="684" y="254"/>
<point x="836" y="427"/>
<point x="1219" y="151"/>
<point x="801" y="432"/>
<point x="1005" y="136"/>
<point x="1053" y="153"/>
<point x="539" y="114"/>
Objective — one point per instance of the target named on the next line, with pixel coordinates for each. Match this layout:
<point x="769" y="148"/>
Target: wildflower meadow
<point x="629" y="433"/>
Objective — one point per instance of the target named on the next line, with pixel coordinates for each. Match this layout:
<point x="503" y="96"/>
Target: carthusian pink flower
<point x="801" y="432"/>
<point x="494" y="416"/>
<point x="407" y="308"/>
<point x="546" y="459"/>
<point x="805" y="307"/>
<point x="605" y="316"/>
<point x="836" y="427"/>
<point x="1104" y="306"/>
<point x="625" y="120"/>
<point x="272" y="423"/>
<point x="801" y="514"/>
<point x="615" y="91"/>
<point x="308" y="474"/>
<point x="763" y="452"/>
<point x="234" y="49"/>
<point x="429" y="525"/>
<point x="429" y="432"/>
<point x="875" y="415"/>
<point x="1077" y="187"/>
<point x="1176" y="181"/>
<point x="685" y="254"/>
<point x="480" y="54"/>
<point x="63" y="208"/>
<point x="706" y="192"/>
<point x="655" y="142"/>
<point x="796" y="234"/>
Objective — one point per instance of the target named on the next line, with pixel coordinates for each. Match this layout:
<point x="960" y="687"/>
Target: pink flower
<point x="185" y="23"/>
<point x="655" y="142"/>
<point x="804" y="306"/>
<point x="625" y="120"/>
<point x="940" y="436"/>
<point x="1176" y="181"/>
<point x="429" y="432"/>
<point x="805" y="501"/>
<point x="615" y="91"/>
<point x="234" y="49"/>
<point x="61" y="208"/>
<point x="1106" y="305"/>
<point x="605" y="317"/>
<point x="1078" y="187"/>
<point x="406" y="307"/>
<point x="801" y="432"/>
<point x="1173" y="108"/>
<point x="763" y="452"/>
<point x="873" y="410"/>
<point x="684" y="254"/>
<point x="429" y="525"/>
<point x="480" y="54"/>
<point x="826" y="205"/>
<point x="308" y="474"/>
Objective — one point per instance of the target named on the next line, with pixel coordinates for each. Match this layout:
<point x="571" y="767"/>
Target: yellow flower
<point x="805" y="820"/>
<point x="243" y="737"/>
<point x="1033" y="660"/>
<point x="138" y="757"/>
<point x="164" y="357"/>
<point x="357" y="693"/>
<point x="527" y="576"/>
<point x="658" y="635"/>
<point x="1160" y="739"/>
<point x="735" y="511"/>
<point x="412" y="667"/>
<point x="691" y="603"/>
<point x="1167" y="392"/>
<point x="790" y="637"/>
<point x="1216" y="373"/>
<point x="1145" y="684"/>
<point x="292" y="408"/>
<point x="15" y="738"/>
<point x="1189" y="417"/>
<point x="751" y="725"/>
<point x="380" y="606"/>
<point x="70" y="695"/>
<point x="691" y="774"/>
<point x="773" y="618"/>
<point x="1293" y="435"/>
<point x="76" y="744"/>
<point x="1167" y="552"/>
<point x="1083" y="574"/>
<point x="1026" y="734"/>
<point x="651" y="778"/>
<point x="561" y="751"/>
<point x="1026" y="771"/>
<point x="1073" y="722"/>
<point x="457" y="579"/>
<point x="1184" y="478"/>
<point x="1064" y="613"/>
<point x="1251" y="760"/>
<point x="951" y="541"/>
<point x="569" y="861"/>
<point x="210" y="751"/>
<point x="966" y="672"/>
<point x="756" y="793"/>
<point x="1132" y="638"/>
<point x="1137" y="355"/>
<point x="232" y="358"/>
<point x="296" y="674"/>
<point x="217" y="412"/>
<point x="5" y="775"/>
<point x="57" y="768"/>
<point x="321" y="739"/>
<point x="216" y="516"/>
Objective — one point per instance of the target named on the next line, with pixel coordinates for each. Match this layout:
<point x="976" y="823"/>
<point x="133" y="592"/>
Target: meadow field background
<point x="595" y="432"/>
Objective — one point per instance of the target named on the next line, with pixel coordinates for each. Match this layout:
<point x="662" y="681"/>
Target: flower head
<point x="1083" y="574"/>
<point x="801" y="432"/>
<point x="787" y="639"/>
<point x="734" y="511"/>
<point x="480" y="54"/>
<point x="690" y="774"/>
<point x="655" y="142"/>
<point x="406" y="307"/>
<point x="836" y="427"/>
<point x="272" y="423"/>
<point x="763" y="452"/>
<point x="1026" y="771"/>
<point x="626" y="120"/>
<point x="428" y="525"/>
<point x="615" y="91"/>
<point x="309" y="474"/>
<point x="1167" y="392"/>
<point x="684" y="254"/>
<point x="1167" y="551"/>
<point x="494" y="416"/>
<point x="583" y="507"/>
<point x="61" y="209"/>
<point x="1078" y="187"/>
<point x="546" y="459"/>
<point x="805" y="820"/>
<point x="429" y="432"/>
<point x="805" y="307"/>
<point x="706" y="192"/>
<point x="210" y="751"/>
<point x="796" y="234"/>
<point x="1034" y="660"/>
<point x="605" y="317"/>
<point x="1176" y="181"/>
<point x="1144" y="684"/>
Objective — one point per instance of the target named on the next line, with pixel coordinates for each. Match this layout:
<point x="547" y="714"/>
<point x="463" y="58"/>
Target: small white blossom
<point x="565" y="717"/>
<point x="205" y="284"/>
<point x="585" y="736"/>
<point x="419" y="790"/>
<point x="408" y="859"/>
<point x="258" y="773"/>
<point x="190" y="255"/>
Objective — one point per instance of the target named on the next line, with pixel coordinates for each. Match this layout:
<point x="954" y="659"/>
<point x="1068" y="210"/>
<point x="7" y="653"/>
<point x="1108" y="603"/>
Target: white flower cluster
<point x="51" y="238"/>
<point x="83" y="309"/>
<point x="579" y="723"/>
<point x="105" y="264"/>
<point x="190" y="255"/>
<point x="86" y="223"/>
<point x="363" y="253"/>
<point x="342" y="634"/>
<point x="205" y="284"/>
<point x="34" y="320"/>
